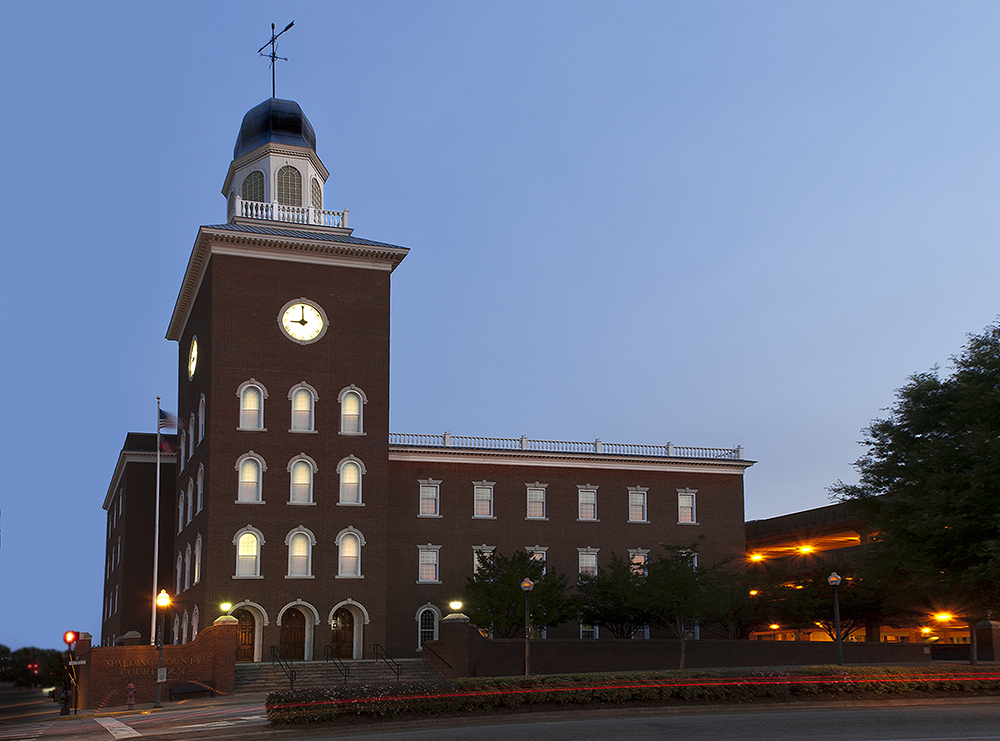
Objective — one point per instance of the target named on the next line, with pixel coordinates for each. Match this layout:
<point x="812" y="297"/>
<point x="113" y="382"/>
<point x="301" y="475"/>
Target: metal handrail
<point x="443" y="659"/>
<point x="341" y="666"/>
<point x="286" y="667"/>
<point x="381" y="654"/>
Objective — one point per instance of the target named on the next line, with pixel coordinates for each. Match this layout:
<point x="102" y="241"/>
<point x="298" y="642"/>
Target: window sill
<point x="432" y="516"/>
<point x="249" y="501"/>
<point x="299" y="576"/>
<point x="350" y="504"/>
<point x="638" y="522"/>
<point x="349" y="576"/>
<point x="537" y="519"/>
<point x="484" y="517"/>
<point x="305" y="432"/>
<point x="251" y="429"/>
<point x="587" y="519"/>
<point x="352" y="434"/>
<point x="302" y="504"/>
<point x="247" y="576"/>
<point x="427" y="582"/>
<point x="688" y="523"/>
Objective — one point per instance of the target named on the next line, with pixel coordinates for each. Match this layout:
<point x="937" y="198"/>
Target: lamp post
<point x="162" y="602"/>
<point x="834" y="581"/>
<point x="527" y="585"/>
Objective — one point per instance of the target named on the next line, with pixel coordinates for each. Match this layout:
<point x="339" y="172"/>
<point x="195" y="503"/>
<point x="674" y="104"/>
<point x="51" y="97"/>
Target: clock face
<point x="193" y="358"/>
<point x="302" y="321"/>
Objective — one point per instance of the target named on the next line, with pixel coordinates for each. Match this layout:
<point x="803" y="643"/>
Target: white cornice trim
<point x="132" y="456"/>
<point x="282" y="150"/>
<point x="566" y="460"/>
<point x="271" y="247"/>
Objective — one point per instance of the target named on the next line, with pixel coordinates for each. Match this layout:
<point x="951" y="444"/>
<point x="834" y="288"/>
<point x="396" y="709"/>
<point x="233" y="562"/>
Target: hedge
<point x="477" y="695"/>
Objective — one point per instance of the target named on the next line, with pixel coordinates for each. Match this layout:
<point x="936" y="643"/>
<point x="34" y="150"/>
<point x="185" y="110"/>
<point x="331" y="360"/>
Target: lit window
<point x="197" y="560"/>
<point x="349" y="542"/>
<point x="429" y="563"/>
<point x="248" y="542"/>
<point x="253" y="187"/>
<point x="481" y="554"/>
<point x="483" y="504"/>
<point x="685" y="505"/>
<point x="639" y="558"/>
<point x="187" y="567"/>
<point x="536" y="501"/>
<point x="352" y="401"/>
<point x="252" y="397"/>
<point x="289" y="186"/>
<point x="588" y="561"/>
<point x="301" y="470"/>
<point x="587" y="504"/>
<point x="180" y="511"/>
<point x="190" y="501"/>
<point x="537" y="553"/>
<point x="303" y="397"/>
<point x="180" y="567"/>
<point x="430" y="491"/>
<point x="300" y="542"/>
<point x="201" y="419"/>
<point x="427" y="622"/>
<point x="194" y="623"/>
<point x="588" y="632"/>
<point x="177" y="629"/>
<point x="201" y="487"/>
<point x="250" y="467"/>
<point x="637" y="504"/>
<point x="317" y="194"/>
<point x="350" y="470"/>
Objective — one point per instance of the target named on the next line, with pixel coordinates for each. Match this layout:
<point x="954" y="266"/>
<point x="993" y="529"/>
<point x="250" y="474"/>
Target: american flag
<point x="169" y="421"/>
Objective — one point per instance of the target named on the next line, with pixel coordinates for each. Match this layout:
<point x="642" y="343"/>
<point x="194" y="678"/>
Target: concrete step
<point x="265" y="677"/>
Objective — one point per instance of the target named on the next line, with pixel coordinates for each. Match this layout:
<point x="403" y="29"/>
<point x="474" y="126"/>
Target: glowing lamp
<point x="226" y="606"/>
<point x="163" y="599"/>
<point x="456" y="605"/>
<point x="70" y="637"/>
<point x="757" y="557"/>
<point x="943" y="616"/>
<point x="805" y="549"/>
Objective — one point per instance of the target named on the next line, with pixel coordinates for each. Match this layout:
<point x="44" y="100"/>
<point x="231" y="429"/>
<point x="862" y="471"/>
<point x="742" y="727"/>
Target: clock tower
<point x="282" y="322"/>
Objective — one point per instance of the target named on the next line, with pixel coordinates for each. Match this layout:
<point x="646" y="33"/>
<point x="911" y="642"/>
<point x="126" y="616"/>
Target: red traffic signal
<point x="70" y="637"/>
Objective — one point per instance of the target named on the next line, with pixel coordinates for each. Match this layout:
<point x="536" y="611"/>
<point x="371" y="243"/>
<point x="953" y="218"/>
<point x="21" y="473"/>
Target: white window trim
<point x="260" y="546"/>
<point x="361" y="411"/>
<point x="314" y="397"/>
<point x="436" y="483"/>
<point x="694" y="506"/>
<point x="645" y="503"/>
<point x="201" y="419"/>
<point x="594" y="637"/>
<point x="260" y="482"/>
<point x="187" y="567"/>
<point x="644" y="552"/>
<point x="263" y="396"/>
<point x="196" y="576"/>
<point x="437" y="564"/>
<point x="437" y="622"/>
<point x="483" y="485"/>
<point x="545" y="503"/>
<point x="309" y="461"/>
<point x="350" y="530"/>
<point x="531" y="550"/>
<point x="200" y="487"/>
<point x="486" y="550"/>
<point x="190" y="501"/>
<point x="361" y="477"/>
<point x="309" y="554"/>
<point x="580" y="488"/>
<point x="580" y="552"/>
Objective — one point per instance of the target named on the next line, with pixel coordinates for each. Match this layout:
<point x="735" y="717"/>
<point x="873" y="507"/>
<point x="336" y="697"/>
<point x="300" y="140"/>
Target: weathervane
<point x="272" y="56"/>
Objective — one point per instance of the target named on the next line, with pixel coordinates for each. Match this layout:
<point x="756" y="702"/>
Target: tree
<point x="494" y="599"/>
<point x="930" y="481"/>
<point x="738" y="603"/>
<point x="679" y="592"/>
<point x="616" y="598"/>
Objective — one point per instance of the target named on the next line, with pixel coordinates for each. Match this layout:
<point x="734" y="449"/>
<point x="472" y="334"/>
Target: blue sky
<point x="711" y="223"/>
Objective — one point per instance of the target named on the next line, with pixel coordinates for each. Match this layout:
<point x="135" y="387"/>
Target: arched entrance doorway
<point x="342" y="634"/>
<point x="293" y="635"/>
<point x="245" y="635"/>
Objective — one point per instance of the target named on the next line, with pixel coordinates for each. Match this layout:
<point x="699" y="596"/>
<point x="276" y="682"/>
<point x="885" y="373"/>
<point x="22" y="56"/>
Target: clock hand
<point x="303" y="320"/>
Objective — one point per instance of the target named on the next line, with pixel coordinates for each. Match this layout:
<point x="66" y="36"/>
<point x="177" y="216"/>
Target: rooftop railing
<point x="274" y="211"/>
<point x="597" y="447"/>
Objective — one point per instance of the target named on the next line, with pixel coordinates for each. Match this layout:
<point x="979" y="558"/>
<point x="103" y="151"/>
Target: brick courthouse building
<point x="292" y="502"/>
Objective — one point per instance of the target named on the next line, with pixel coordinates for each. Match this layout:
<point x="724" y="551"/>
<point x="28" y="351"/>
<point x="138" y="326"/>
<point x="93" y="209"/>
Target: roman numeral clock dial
<point x="303" y="321"/>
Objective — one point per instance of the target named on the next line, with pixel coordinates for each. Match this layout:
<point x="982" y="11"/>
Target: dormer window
<point x="289" y="186"/>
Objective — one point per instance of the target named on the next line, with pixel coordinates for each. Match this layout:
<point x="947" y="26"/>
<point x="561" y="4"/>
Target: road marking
<point x="225" y="723"/>
<point x="118" y="729"/>
<point x="22" y="732"/>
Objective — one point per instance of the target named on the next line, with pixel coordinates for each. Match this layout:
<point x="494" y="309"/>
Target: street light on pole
<point x="834" y="581"/>
<point x="162" y="602"/>
<point x="527" y="585"/>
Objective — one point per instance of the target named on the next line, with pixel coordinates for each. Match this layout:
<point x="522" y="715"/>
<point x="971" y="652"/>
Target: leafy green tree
<point x="38" y="667"/>
<point x="493" y="598"/>
<point x="679" y="592"/>
<point x="617" y="598"/>
<point x="5" y="669"/>
<point x="930" y="481"/>
<point x="738" y="603"/>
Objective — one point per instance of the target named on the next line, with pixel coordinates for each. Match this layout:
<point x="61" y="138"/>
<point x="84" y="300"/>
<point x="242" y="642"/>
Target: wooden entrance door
<point x="342" y="634"/>
<point x="293" y="635"/>
<point x="244" y="640"/>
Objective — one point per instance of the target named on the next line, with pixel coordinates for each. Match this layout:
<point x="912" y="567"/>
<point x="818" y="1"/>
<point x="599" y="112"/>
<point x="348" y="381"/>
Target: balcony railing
<point x="289" y="214"/>
<point x="597" y="447"/>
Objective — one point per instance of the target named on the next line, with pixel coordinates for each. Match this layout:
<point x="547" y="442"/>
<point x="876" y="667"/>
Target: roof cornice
<point x="132" y="456"/>
<point x="303" y="249"/>
<point x="282" y="150"/>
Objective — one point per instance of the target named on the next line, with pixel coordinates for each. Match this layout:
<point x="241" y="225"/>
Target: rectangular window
<point x="537" y="553"/>
<point x="639" y="559"/>
<point x="637" y="505"/>
<point x="685" y="506"/>
<point x="536" y="503"/>
<point x="428" y="565"/>
<point x="483" y="500"/>
<point x="481" y="554"/>
<point x="588" y="632"/>
<point x="588" y="563"/>
<point x="429" y="497"/>
<point x="588" y="504"/>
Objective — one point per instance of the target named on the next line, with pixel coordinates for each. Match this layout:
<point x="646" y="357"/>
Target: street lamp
<point x="162" y="602"/>
<point x="834" y="581"/>
<point x="527" y="585"/>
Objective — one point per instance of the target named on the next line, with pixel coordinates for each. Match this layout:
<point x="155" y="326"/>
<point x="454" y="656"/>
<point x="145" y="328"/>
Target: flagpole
<point x="156" y="530"/>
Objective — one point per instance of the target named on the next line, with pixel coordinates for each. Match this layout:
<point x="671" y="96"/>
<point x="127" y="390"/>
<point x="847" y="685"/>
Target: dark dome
<point x="274" y="120"/>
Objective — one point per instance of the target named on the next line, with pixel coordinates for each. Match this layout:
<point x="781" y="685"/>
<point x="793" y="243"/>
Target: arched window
<point x="194" y="623"/>
<point x="303" y="399"/>
<point x="250" y="467"/>
<point x="190" y="500"/>
<point x="352" y="401"/>
<point x="317" y="194"/>
<point x="248" y="542"/>
<point x="427" y="624"/>
<point x="191" y="427"/>
<point x="350" y="470"/>
<point x="253" y="187"/>
<point x="197" y="560"/>
<point x="180" y="565"/>
<point x="231" y="204"/>
<point x="252" y="406"/>
<point x="289" y="186"/>
<point x="177" y="629"/>
<point x="300" y="542"/>
<point x="180" y="511"/>
<point x="349" y="542"/>
<point x="301" y="469"/>
<point x="187" y="567"/>
<point x="201" y="487"/>
<point x="201" y="419"/>
<point x="183" y="448"/>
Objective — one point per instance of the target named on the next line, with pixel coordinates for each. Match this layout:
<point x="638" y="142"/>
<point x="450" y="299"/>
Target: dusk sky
<point x="705" y="223"/>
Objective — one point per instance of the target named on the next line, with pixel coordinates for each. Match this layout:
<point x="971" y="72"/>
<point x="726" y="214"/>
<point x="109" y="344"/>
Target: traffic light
<point x="33" y="668"/>
<point x="70" y="637"/>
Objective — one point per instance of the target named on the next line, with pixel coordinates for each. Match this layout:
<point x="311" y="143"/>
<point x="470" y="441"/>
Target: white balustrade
<point x="289" y="214"/>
